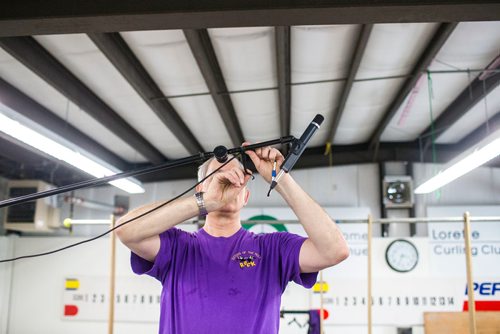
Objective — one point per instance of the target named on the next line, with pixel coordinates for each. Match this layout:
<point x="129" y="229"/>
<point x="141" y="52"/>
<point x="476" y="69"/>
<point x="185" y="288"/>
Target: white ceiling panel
<point x="79" y="55"/>
<point x="258" y="114"/>
<point x="472" y="45"/>
<point x="321" y="52"/>
<point x="246" y="56"/>
<point x="477" y="115"/>
<point x="364" y="107"/>
<point x="393" y="49"/>
<point x="203" y="119"/>
<point x="33" y="86"/>
<point x="309" y="100"/>
<point x="414" y="116"/>
<point x="166" y="55"/>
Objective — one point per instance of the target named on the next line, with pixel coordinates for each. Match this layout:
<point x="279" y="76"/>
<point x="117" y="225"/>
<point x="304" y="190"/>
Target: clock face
<point x="401" y="255"/>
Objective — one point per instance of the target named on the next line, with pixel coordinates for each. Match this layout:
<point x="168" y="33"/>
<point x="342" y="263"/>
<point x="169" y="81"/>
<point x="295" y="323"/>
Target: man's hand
<point x="263" y="159"/>
<point x="224" y="187"/>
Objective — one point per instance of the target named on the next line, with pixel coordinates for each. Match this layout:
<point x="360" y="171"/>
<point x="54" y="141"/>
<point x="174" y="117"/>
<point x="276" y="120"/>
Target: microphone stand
<point x="201" y="157"/>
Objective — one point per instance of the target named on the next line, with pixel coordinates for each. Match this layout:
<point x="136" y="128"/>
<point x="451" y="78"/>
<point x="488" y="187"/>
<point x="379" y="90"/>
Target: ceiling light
<point x="42" y="143"/>
<point x="486" y="150"/>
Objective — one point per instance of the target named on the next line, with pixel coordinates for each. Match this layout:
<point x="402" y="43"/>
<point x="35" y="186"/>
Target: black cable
<point x="114" y="228"/>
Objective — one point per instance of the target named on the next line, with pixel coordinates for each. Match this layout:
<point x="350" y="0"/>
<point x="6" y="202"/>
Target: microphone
<point x="220" y="153"/>
<point x="298" y="147"/>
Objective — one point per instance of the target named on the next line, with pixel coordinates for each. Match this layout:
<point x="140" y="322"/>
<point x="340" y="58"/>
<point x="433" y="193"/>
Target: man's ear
<point x="247" y="195"/>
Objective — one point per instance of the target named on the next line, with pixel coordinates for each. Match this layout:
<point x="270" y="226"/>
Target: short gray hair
<point x="203" y="169"/>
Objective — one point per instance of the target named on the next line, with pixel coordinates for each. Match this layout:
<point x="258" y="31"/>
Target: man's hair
<point x="203" y="169"/>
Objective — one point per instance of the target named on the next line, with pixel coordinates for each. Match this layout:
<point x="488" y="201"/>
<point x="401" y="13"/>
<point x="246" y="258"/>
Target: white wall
<point x="341" y="186"/>
<point x="37" y="286"/>
<point x="344" y="186"/>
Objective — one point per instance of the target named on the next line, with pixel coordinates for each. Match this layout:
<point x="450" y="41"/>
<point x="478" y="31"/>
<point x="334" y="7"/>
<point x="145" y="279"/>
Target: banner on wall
<point x="447" y="245"/>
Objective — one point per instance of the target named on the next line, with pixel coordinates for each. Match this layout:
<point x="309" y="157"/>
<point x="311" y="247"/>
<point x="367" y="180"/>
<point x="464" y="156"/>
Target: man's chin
<point x="230" y="209"/>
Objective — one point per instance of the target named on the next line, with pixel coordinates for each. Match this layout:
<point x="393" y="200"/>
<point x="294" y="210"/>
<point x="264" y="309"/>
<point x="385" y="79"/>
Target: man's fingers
<point x="239" y="175"/>
<point x="235" y="176"/>
<point x="228" y="177"/>
<point x="265" y="152"/>
<point x="275" y="155"/>
<point x="254" y="157"/>
<point x="280" y="159"/>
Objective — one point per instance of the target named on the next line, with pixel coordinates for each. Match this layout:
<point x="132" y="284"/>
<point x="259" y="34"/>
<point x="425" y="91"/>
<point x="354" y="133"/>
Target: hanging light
<point x="65" y="153"/>
<point x="484" y="151"/>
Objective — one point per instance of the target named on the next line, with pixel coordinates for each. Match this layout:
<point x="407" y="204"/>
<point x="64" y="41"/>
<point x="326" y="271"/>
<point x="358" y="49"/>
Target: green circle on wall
<point x="277" y="227"/>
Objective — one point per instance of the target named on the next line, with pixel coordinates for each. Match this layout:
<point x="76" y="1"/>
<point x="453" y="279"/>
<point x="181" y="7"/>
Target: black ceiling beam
<point x="359" y="154"/>
<point x="29" y="52"/>
<point x="282" y="36"/>
<point x="438" y="40"/>
<point x="468" y="98"/>
<point x="29" y="17"/>
<point x="358" y="52"/>
<point x="203" y="52"/>
<point x="347" y="155"/>
<point x="478" y="134"/>
<point x="26" y="106"/>
<point x="122" y="57"/>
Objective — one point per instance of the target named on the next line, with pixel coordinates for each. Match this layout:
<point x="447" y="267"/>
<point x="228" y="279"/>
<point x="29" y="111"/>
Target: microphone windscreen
<point x="318" y="119"/>
<point x="220" y="153"/>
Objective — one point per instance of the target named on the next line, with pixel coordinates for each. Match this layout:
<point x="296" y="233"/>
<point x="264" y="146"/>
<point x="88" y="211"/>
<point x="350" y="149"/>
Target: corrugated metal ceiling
<point x="320" y="58"/>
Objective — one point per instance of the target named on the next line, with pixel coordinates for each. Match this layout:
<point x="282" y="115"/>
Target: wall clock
<point x="401" y="255"/>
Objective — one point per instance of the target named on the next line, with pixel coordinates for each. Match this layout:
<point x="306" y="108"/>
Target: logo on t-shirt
<point x="246" y="259"/>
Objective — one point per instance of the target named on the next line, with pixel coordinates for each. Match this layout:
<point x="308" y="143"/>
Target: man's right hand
<point x="224" y="187"/>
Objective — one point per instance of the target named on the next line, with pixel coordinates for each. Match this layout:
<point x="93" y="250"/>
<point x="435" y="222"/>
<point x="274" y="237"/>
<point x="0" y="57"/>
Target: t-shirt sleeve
<point x="289" y="245"/>
<point x="159" y="267"/>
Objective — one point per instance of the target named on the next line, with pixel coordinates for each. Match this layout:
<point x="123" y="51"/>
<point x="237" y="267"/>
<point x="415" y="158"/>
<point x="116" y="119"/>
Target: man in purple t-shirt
<point x="222" y="278"/>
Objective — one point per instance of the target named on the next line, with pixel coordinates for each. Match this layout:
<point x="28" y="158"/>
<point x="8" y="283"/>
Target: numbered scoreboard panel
<point x="87" y="298"/>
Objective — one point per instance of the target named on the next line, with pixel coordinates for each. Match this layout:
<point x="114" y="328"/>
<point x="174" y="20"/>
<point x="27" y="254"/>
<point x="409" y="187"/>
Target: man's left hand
<point x="263" y="158"/>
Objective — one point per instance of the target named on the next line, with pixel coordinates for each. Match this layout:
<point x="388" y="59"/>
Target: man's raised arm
<point x="142" y="234"/>
<point x="325" y="246"/>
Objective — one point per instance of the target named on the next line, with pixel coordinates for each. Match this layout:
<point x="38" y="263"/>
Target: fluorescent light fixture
<point x="486" y="150"/>
<point x="42" y="143"/>
<point x="68" y="222"/>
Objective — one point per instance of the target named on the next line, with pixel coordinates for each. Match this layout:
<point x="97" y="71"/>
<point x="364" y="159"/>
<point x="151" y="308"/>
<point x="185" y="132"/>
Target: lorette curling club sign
<point x="87" y="298"/>
<point x="447" y="245"/>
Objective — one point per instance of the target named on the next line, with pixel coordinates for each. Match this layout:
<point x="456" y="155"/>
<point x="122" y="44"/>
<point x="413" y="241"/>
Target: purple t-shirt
<point x="223" y="285"/>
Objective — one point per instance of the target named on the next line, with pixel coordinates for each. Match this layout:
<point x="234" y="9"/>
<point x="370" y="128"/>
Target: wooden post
<point x="112" y="264"/>
<point x="369" y="299"/>
<point x="321" y="308"/>
<point x="470" y="281"/>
